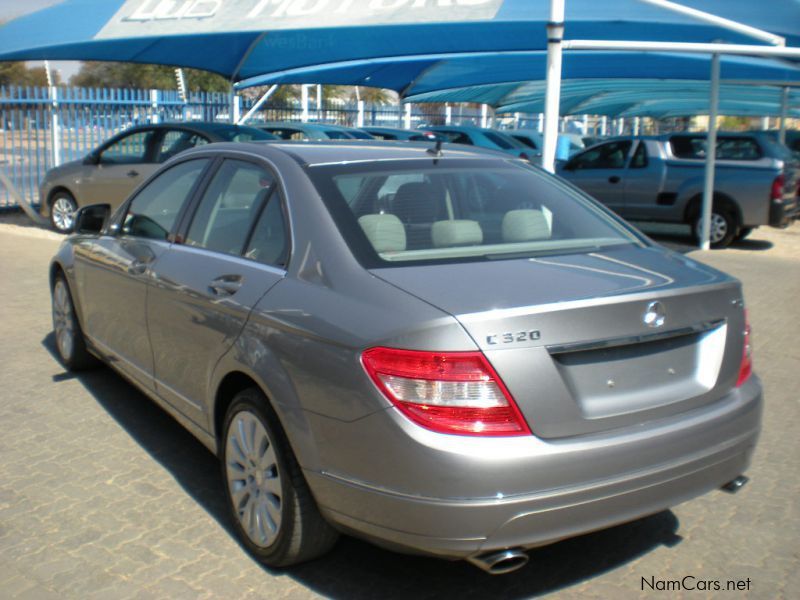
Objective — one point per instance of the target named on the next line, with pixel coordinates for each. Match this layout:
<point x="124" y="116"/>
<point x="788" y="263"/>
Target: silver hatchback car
<point x="437" y="349"/>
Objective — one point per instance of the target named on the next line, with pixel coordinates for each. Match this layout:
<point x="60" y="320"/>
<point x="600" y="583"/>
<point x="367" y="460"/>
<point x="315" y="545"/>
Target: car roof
<point x="345" y="151"/>
<point x="207" y="127"/>
<point x="301" y="125"/>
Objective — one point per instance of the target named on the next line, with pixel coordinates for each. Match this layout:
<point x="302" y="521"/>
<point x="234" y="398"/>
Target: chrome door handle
<point x="138" y="267"/>
<point x="613" y="179"/>
<point x="132" y="173"/>
<point x="227" y="285"/>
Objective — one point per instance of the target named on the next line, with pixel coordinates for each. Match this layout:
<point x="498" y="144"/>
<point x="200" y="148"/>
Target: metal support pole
<point x="264" y="97"/>
<point x="55" y="126"/>
<point x="360" y="118"/>
<point x="555" y="34"/>
<point x="484" y="116"/>
<point x="604" y="125"/>
<point x="407" y="116"/>
<point x="304" y="103"/>
<point x="236" y="108"/>
<point x="764" y="123"/>
<point x="784" y="114"/>
<point x="448" y="115"/>
<point x="711" y="155"/>
<point x="540" y="123"/>
<point x="636" y="125"/>
<point x="154" y="105"/>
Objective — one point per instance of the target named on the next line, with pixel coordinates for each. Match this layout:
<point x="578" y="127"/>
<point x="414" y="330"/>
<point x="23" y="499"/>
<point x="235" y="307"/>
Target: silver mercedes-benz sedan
<point x="438" y="349"/>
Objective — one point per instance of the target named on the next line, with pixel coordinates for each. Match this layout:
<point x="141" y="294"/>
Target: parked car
<point x="568" y="143"/>
<point x="395" y="133"/>
<point x="792" y="139"/>
<point x="482" y="138"/>
<point x="110" y="172"/>
<point x="661" y="178"/>
<point x="313" y="131"/>
<point x="447" y="352"/>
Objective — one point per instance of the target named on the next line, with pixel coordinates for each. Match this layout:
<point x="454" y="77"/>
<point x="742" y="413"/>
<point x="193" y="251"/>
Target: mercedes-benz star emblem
<point x="655" y="315"/>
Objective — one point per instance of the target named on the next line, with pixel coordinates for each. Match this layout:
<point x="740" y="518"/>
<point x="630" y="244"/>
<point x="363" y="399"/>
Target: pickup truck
<point x="660" y="178"/>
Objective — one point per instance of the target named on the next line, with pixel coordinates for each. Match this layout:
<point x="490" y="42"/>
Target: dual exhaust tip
<point x="500" y="562"/>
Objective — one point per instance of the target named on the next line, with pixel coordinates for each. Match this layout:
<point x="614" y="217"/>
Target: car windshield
<point x="243" y="134"/>
<point x="455" y="210"/>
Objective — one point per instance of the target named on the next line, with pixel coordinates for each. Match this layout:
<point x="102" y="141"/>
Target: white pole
<point x="264" y="97"/>
<point x="55" y="127"/>
<point x="540" y="125"/>
<point x="154" y="106"/>
<point x="636" y="124"/>
<point x="764" y="123"/>
<point x="784" y="114"/>
<point x="484" y="116"/>
<point x="237" y="108"/>
<point x="711" y="155"/>
<point x="360" y="121"/>
<point x="683" y="47"/>
<point x="604" y="125"/>
<point x="304" y="103"/>
<point x="555" y="33"/>
<point x="448" y="115"/>
<point x="407" y="116"/>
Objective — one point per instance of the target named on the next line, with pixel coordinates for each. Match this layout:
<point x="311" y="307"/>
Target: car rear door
<point x="233" y="249"/>
<point x="121" y="166"/>
<point x="113" y="271"/>
<point x="600" y="172"/>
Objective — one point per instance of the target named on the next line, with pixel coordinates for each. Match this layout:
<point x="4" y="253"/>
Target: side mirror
<point x="91" y="159"/>
<point x="91" y="219"/>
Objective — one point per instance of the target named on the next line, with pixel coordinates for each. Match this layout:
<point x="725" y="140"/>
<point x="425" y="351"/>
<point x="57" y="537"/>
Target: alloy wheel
<point x="63" y="320"/>
<point x="254" y="479"/>
<point x="63" y="212"/>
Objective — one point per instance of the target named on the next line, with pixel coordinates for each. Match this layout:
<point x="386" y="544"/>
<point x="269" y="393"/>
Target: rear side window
<point x="230" y="206"/>
<point x="269" y="244"/>
<point x="129" y="150"/>
<point x="728" y="148"/>
<point x="153" y="211"/>
<point x="176" y="141"/>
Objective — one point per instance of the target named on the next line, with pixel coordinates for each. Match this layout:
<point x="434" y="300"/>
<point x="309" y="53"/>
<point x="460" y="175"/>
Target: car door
<point x="120" y="167"/>
<point x="643" y="184"/>
<point x="233" y="251"/>
<point x="113" y="270"/>
<point x="600" y="172"/>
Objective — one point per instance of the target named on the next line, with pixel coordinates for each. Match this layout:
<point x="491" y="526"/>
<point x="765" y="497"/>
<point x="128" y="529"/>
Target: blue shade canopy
<point x="416" y="76"/>
<point x="243" y="39"/>
<point x="625" y="97"/>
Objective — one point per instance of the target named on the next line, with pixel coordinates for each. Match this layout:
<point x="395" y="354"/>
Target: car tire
<point x="724" y="227"/>
<point x="62" y="211"/>
<point x="70" y="342"/>
<point x="271" y="506"/>
<point x="743" y="233"/>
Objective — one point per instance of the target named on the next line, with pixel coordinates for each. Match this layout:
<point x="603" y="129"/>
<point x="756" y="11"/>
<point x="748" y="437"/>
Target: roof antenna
<point x="437" y="149"/>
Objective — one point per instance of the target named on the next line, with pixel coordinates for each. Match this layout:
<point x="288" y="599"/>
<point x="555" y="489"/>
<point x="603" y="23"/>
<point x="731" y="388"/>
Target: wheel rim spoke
<point x="253" y="476"/>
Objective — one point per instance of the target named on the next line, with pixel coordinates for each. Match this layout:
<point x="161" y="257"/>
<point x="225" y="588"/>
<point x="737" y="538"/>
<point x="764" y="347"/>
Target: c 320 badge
<point x="511" y="337"/>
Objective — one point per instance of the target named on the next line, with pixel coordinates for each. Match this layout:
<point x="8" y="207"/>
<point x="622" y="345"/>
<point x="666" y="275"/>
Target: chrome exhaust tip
<point x="735" y="484"/>
<point x="500" y="562"/>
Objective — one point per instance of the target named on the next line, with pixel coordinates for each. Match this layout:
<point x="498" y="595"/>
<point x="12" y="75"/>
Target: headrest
<point x="456" y="233"/>
<point x="385" y="232"/>
<point x="418" y="202"/>
<point x="525" y="225"/>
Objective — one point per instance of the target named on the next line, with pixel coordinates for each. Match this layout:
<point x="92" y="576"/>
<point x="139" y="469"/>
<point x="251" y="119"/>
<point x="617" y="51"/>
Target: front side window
<point x="639" y="160"/>
<point x="230" y="206"/>
<point x="152" y="213"/>
<point x="460" y="210"/>
<point x="613" y="155"/>
<point x="131" y="149"/>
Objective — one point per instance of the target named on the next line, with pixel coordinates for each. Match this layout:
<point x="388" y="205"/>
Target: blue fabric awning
<point x="243" y="39"/>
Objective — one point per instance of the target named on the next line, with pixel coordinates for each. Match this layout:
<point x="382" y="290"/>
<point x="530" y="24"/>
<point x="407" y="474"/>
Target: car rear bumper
<point x="783" y="212"/>
<point x="706" y="454"/>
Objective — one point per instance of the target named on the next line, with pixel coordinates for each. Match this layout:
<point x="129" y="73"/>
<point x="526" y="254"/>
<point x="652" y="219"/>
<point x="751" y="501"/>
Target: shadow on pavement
<point x="356" y="569"/>
<point x="680" y="239"/>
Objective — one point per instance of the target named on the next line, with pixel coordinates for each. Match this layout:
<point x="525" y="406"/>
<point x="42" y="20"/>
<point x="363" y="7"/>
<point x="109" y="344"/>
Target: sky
<point x="11" y="9"/>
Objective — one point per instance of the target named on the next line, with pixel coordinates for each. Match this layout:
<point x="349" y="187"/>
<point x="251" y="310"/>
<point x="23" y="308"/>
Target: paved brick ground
<point x="104" y="496"/>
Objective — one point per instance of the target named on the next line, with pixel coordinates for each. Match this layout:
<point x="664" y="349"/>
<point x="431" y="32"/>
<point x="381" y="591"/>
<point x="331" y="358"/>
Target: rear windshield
<point x="728" y="148"/>
<point x="455" y="210"/>
<point x="243" y="134"/>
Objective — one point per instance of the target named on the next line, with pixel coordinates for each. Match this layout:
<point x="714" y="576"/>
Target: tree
<point x="145" y="76"/>
<point x="17" y="73"/>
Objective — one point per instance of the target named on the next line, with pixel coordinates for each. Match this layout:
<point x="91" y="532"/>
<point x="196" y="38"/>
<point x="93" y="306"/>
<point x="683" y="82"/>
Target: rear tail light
<point x="448" y="392"/>
<point x="746" y="368"/>
<point x="777" y="188"/>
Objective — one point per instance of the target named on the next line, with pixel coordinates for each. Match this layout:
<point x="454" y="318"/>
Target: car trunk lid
<point x="590" y="342"/>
